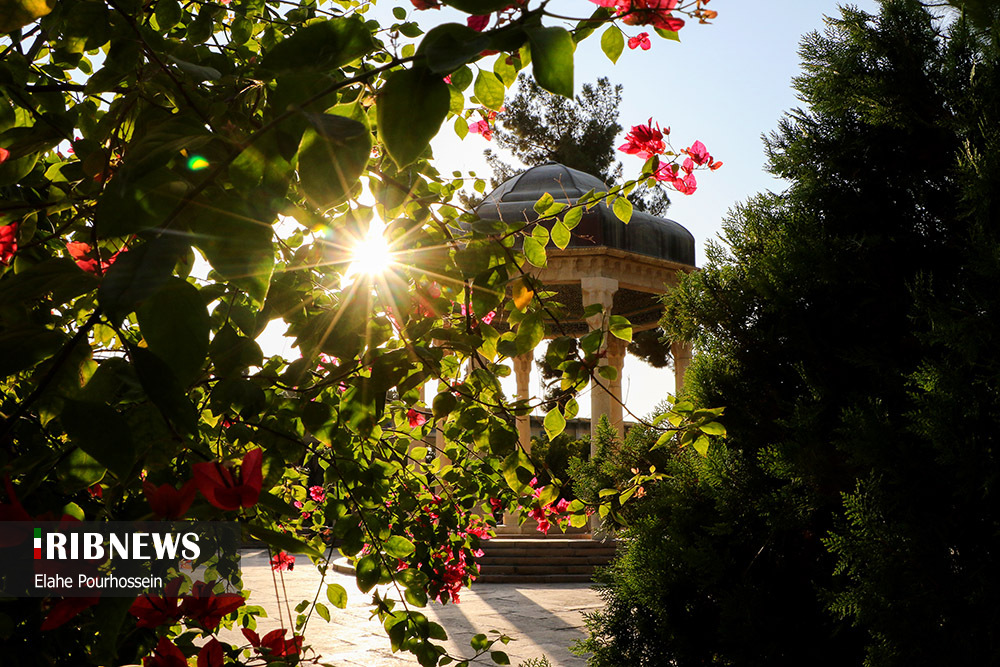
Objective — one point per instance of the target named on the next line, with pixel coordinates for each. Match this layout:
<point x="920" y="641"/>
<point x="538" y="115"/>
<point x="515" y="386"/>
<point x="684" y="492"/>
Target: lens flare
<point x="197" y="163"/>
<point x="371" y="255"/>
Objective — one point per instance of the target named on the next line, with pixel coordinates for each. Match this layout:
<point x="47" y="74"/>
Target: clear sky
<point x="725" y="84"/>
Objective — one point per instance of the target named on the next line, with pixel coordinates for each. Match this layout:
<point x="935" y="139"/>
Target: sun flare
<point x="371" y="256"/>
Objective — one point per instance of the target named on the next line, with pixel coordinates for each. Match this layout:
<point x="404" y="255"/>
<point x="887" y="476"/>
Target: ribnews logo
<point x="113" y="559"/>
<point x="135" y="546"/>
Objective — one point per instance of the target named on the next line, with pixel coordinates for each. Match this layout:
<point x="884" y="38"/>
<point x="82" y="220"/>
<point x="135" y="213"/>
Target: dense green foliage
<point x="849" y="325"/>
<point x="148" y="153"/>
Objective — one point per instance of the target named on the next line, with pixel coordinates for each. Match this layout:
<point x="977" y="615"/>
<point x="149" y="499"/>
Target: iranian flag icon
<point x="38" y="543"/>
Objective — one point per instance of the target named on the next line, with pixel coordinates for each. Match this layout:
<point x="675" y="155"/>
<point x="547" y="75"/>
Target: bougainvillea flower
<point x="478" y="23"/>
<point x="168" y="502"/>
<point x="644" y="141"/>
<point x="416" y="419"/>
<point x="482" y="127"/>
<point x="317" y="493"/>
<point x="154" y="611"/>
<point x="426" y="4"/>
<point x="87" y="260"/>
<point x="217" y="483"/>
<point x="283" y="561"/>
<point x="165" y="655"/>
<point x="274" y="644"/>
<point x="65" y="609"/>
<point x="210" y="654"/>
<point x="4" y="154"/>
<point x="207" y="608"/>
<point x="640" y="41"/>
<point x="8" y="242"/>
<point x="699" y="153"/>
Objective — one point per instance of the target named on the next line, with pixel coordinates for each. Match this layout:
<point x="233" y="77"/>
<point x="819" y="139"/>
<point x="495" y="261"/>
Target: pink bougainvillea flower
<point x="274" y="644"/>
<point x="426" y="4"/>
<point x="217" y="484"/>
<point x="644" y="141"/>
<point x="8" y="242"/>
<point x="168" y="502"/>
<point x="478" y="23"/>
<point x="699" y="153"/>
<point x="66" y="609"/>
<point x="447" y="79"/>
<point x="416" y="419"/>
<point x="206" y="608"/>
<point x="165" y="655"/>
<point x="482" y="127"/>
<point x="640" y="41"/>
<point x="317" y="493"/>
<point x="210" y="654"/>
<point x="4" y="154"/>
<point x="283" y="561"/>
<point x="488" y="317"/>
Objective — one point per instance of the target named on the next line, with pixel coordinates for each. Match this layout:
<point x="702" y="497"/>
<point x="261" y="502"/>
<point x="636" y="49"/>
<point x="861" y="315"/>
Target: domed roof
<point x="644" y="234"/>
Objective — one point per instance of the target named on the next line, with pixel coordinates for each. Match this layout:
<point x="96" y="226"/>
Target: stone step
<point x="491" y="560"/>
<point x="540" y="554"/>
<point x="538" y="569"/>
<point x="532" y="579"/>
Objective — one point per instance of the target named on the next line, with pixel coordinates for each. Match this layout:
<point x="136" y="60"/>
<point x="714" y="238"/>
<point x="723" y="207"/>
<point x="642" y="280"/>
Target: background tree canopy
<point x="849" y="326"/>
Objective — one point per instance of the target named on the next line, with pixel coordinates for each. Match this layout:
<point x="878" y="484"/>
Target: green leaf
<point x="478" y="6"/>
<point x="612" y="43"/>
<point x="162" y="387"/>
<point x="450" y="46"/>
<point x="543" y="203"/>
<point x="620" y="327"/>
<point x="323" y="611"/>
<point x="554" y="422"/>
<point x="79" y="470"/>
<point x="236" y="242"/>
<point x="398" y="546"/>
<point x="530" y="333"/>
<point x="552" y="58"/>
<point x="534" y="252"/>
<point x="101" y="432"/>
<point x="367" y="572"/>
<point x="623" y="209"/>
<point x="24" y="345"/>
<point x="573" y="217"/>
<point x="561" y="235"/>
<point x="323" y="46"/>
<point x="479" y="642"/>
<point x="138" y="274"/>
<point x="333" y="154"/>
<point x="668" y="34"/>
<point x="175" y="324"/>
<point x="700" y="445"/>
<point x="489" y="90"/>
<point x="713" y="428"/>
<point x="411" y="108"/>
<point x="499" y="657"/>
<point x="337" y="595"/>
<point x="443" y="404"/>
<point x="232" y="353"/>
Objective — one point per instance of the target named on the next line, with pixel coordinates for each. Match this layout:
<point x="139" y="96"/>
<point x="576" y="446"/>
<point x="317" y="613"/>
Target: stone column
<point x="682" y="359"/>
<point x="602" y="291"/>
<point x="522" y="371"/>
<point x="616" y="359"/>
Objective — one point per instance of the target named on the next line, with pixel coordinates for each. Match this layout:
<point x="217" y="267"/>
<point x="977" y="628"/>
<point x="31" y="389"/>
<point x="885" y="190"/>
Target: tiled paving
<point x="543" y="619"/>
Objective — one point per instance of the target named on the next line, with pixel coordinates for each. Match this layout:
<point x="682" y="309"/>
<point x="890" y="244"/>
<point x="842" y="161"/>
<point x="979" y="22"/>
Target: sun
<point x="371" y="255"/>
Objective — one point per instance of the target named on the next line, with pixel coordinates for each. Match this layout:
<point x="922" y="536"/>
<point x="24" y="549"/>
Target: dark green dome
<point x="644" y="234"/>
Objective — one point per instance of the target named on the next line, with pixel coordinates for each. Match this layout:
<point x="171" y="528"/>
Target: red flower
<point x="416" y="419"/>
<point x="4" y="154"/>
<point x="206" y="608"/>
<point x="210" y="654"/>
<point x="154" y="611"/>
<point x="478" y="23"/>
<point x="66" y="609"/>
<point x="274" y="644"/>
<point x="426" y="4"/>
<point x="317" y="493"/>
<point x="8" y="241"/>
<point x="644" y="140"/>
<point x="81" y="252"/>
<point x="166" y="655"/>
<point x="699" y="153"/>
<point x="283" y="561"/>
<point x="217" y="484"/>
<point x="645" y="12"/>
<point x="640" y="41"/>
<point x="482" y="127"/>
<point x="166" y="501"/>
